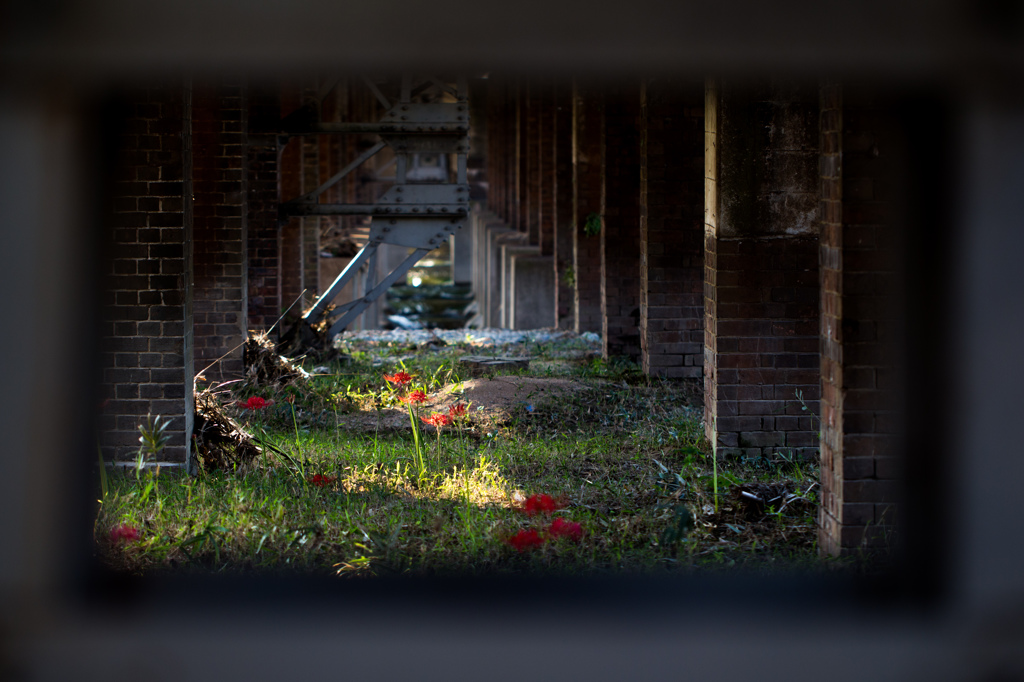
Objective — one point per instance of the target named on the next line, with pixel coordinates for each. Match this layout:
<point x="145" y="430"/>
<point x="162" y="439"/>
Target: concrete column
<point x="671" y="229"/>
<point x="761" y="269"/>
<point x="562" y="197"/>
<point x="220" y="189"/>
<point x="620" y="229"/>
<point x="586" y="248"/>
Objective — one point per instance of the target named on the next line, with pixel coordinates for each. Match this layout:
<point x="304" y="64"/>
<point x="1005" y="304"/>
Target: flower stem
<point x="714" y="462"/>
<point x="416" y="441"/>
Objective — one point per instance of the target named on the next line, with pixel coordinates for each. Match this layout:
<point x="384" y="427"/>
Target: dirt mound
<point x="496" y="396"/>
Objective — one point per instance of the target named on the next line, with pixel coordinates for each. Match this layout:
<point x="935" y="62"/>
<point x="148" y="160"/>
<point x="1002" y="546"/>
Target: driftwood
<point x="265" y="366"/>
<point x="218" y="441"/>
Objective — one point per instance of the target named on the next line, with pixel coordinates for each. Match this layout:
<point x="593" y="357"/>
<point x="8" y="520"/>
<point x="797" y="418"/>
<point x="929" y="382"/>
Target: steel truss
<point x="420" y="216"/>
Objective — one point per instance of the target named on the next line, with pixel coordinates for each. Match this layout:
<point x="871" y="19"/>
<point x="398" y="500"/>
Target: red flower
<point x="398" y="378"/>
<point x="124" y="533"/>
<point x="255" y="403"/>
<point x="540" y="504"/>
<point x="457" y="410"/>
<point x="438" y="419"/>
<point x="560" y="528"/>
<point x="415" y="397"/>
<point x="525" y="539"/>
<point x="322" y="481"/>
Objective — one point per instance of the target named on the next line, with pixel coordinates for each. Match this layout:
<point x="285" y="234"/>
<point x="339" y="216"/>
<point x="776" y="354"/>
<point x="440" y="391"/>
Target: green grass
<point x="624" y="454"/>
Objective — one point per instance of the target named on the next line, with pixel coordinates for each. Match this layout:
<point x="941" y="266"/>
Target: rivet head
<point x="405" y="107"/>
<point x="393" y="221"/>
<point x="399" y="189"/>
<point x="405" y="118"/>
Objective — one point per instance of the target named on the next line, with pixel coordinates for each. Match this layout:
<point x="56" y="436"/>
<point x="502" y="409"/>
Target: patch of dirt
<point x="496" y="395"/>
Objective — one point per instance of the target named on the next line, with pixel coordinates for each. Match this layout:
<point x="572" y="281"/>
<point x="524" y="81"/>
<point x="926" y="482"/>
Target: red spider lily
<point x="525" y="539"/>
<point x="255" y="403"/>
<point x="540" y="504"/>
<point x="457" y="410"/>
<point x="414" y="397"/>
<point x="438" y="419"/>
<point x="124" y="533"/>
<point x="321" y="480"/>
<point x="398" y="378"/>
<point x="560" y="528"/>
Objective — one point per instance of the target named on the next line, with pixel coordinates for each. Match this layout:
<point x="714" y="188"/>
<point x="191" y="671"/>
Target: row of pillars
<point x="742" y="234"/>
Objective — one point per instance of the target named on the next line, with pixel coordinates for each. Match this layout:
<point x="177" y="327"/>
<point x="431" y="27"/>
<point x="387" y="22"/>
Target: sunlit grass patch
<point x="624" y="455"/>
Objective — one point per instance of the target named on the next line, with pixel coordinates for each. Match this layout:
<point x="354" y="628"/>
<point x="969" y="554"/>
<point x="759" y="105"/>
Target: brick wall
<point x="620" y="231"/>
<point x="761" y="269"/>
<point x="147" y="307"/>
<point x="219" y="124"/>
<point x="586" y="154"/>
<point x="562" y="198"/>
<point x="860" y="471"/>
<point x="671" y="229"/>
<point x="264" y="238"/>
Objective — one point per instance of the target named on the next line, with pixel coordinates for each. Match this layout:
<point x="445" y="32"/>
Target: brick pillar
<point x="219" y="229"/>
<point x="497" y="124"/>
<point x="562" y="197"/>
<point x="672" y="229"/>
<point x="147" y="362"/>
<point x="511" y="155"/>
<point x="545" y="169"/>
<point x="620" y="230"/>
<point x="532" y="149"/>
<point x="586" y="249"/>
<point x="761" y="270"/>
<point x="310" y="225"/>
<point x="264" y="242"/>
<point x="859" y="472"/>
<point x="290" y="187"/>
<point x="521" y="164"/>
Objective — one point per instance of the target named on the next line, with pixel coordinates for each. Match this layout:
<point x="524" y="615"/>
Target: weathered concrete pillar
<point x="264" y="237"/>
<point x="672" y="229"/>
<point x="860" y="471"/>
<point x="220" y="187"/>
<point x="620" y="229"/>
<point x="761" y="269"/>
<point x="562" y="196"/>
<point x="147" y="299"/>
<point x="586" y="246"/>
